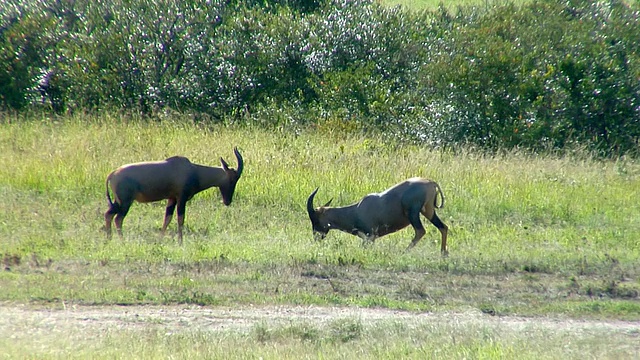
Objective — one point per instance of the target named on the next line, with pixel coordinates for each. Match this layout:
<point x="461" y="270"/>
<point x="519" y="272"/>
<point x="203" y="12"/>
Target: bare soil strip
<point x="29" y="320"/>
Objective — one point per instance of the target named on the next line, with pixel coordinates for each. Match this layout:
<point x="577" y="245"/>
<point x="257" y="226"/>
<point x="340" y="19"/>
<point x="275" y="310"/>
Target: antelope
<point x="176" y="179"/>
<point x="383" y="213"/>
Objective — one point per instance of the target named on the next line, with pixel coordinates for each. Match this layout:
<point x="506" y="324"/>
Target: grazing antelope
<point x="175" y="179"/>
<point x="380" y="214"/>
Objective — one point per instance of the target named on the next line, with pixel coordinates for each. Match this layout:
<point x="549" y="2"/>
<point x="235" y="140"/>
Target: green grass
<point x="428" y="4"/>
<point x="572" y="219"/>
<point x="434" y="4"/>
<point x="345" y="338"/>
<point x="529" y="235"/>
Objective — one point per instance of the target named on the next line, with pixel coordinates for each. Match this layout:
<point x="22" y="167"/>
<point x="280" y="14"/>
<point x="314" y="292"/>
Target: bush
<point x="23" y="51"/>
<point x="547" y="74"/>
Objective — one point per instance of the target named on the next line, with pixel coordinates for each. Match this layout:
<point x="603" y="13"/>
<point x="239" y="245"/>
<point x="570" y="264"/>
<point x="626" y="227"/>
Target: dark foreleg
<point x="182" y="205"/>
<point x="168" y="214"/>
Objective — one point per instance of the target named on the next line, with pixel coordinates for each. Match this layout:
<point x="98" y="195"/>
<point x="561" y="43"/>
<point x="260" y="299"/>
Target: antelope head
<point x="319" y="219"/>
<point x="228" y="187"/>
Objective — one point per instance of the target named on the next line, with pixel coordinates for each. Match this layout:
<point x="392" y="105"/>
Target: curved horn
<point x="240" y="160"/>
<point x="310" y="208"/>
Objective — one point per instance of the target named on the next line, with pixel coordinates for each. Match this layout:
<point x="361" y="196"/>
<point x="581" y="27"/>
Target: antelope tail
<point x="435" y="201"/>
<point x="107" y="190"/>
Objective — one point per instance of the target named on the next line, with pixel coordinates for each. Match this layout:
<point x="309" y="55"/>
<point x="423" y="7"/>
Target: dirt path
<point x="29" y="320"/>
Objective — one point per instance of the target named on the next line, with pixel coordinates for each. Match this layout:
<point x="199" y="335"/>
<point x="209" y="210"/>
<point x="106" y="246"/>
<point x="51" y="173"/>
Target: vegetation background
<point x="540" y="75"/>
<point x="525" y="113"/>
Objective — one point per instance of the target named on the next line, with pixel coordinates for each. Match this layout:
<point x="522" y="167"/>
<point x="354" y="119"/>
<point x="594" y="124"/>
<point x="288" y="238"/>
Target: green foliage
<point x="540" y="75"/>
<point x="23" y="50"/>
<point x="543" y="75"/>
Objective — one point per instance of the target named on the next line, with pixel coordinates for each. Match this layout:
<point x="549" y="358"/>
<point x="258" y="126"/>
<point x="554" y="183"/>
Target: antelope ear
<point x="225" y="166"/>
<point x="328" y="203"/>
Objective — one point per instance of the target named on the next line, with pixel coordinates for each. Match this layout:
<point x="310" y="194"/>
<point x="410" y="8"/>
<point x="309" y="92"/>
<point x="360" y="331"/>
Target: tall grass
<point x="417" y="5"/>
<point x="570" y="221"/>
<point x="53" y="172"/>
<point x="530" y="234"/>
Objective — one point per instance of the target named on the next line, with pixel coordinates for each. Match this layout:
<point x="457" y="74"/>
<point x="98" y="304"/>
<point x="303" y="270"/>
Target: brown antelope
<point x="175" y="179"/>
<point x="380" y="214"/>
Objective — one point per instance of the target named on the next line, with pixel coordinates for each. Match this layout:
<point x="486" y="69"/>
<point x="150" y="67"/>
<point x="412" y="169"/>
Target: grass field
<point x="530" y="236"/>
<point x="451" y="5"/>
<point x="428" y="4"/>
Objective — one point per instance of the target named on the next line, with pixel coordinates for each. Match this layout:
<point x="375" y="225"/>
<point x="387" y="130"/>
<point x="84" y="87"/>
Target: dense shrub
<point x="24" y="47"/>
<point x="545" y="74"/>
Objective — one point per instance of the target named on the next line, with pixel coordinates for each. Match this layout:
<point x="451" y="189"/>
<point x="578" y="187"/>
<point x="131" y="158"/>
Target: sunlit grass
<point x="347" y="338"/>
<point x="417" y="5"/>
<point x="533" y="235"/>
<point x="52" y="175"/>
<point x="509" y="214"/>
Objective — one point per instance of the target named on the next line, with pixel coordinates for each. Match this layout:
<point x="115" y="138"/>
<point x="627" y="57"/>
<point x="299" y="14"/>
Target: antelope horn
<point x="240" y="161"/>
<point x="310" y="208"/>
